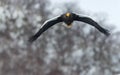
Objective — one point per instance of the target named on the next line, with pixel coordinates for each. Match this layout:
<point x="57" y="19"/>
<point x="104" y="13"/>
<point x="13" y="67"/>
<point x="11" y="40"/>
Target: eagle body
<point x="68" y="18"/>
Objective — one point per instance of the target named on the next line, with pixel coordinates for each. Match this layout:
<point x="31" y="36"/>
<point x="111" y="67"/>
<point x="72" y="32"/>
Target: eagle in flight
<point x="68" y="19"/>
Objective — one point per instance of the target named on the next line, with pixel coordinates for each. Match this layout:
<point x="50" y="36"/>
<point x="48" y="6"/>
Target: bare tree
<point x="81" y="50"/>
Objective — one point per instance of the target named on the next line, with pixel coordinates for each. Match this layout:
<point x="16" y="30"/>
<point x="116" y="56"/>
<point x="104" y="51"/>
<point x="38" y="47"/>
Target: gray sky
<point x="109" y="7"/>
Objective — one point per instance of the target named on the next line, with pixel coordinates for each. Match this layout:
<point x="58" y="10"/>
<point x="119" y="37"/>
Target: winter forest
<point x="80" y="50"/>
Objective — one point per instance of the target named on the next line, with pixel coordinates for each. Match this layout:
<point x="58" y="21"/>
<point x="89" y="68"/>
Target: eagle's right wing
<point x="47" y="24"/>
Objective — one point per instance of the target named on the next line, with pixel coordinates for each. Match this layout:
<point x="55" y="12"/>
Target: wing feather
<point x="91" y="22"/>
<point x="47" y="24"/>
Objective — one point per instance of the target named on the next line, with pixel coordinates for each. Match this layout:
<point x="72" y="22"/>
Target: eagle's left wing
<point x="91" y="22"/>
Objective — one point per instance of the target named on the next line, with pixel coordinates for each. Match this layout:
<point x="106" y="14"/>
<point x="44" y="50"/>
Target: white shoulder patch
<point x="49" y="20"/>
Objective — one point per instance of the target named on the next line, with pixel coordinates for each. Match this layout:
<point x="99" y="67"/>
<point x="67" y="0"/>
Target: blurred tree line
<point x="81" y="50"/>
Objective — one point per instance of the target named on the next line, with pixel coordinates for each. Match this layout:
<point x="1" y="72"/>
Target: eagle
<point x="68" y="19"/>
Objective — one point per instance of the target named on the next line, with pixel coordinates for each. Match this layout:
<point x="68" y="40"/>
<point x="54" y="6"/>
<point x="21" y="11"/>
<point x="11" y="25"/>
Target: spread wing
<point x="47" y="24"/>
<point x="91" y="22"/>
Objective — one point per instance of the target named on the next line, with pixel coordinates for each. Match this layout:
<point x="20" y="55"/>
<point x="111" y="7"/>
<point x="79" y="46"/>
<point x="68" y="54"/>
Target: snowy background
<point x="81" y="50"/>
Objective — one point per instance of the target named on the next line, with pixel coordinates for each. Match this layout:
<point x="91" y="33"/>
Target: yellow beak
<point x="67" y="14"/>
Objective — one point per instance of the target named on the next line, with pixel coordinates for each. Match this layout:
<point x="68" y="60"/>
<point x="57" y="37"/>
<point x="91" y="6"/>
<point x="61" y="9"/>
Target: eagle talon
<point x="68" y="26"/>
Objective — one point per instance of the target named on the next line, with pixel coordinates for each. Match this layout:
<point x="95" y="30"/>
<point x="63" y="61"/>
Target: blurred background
<point x="81" y="50"/>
